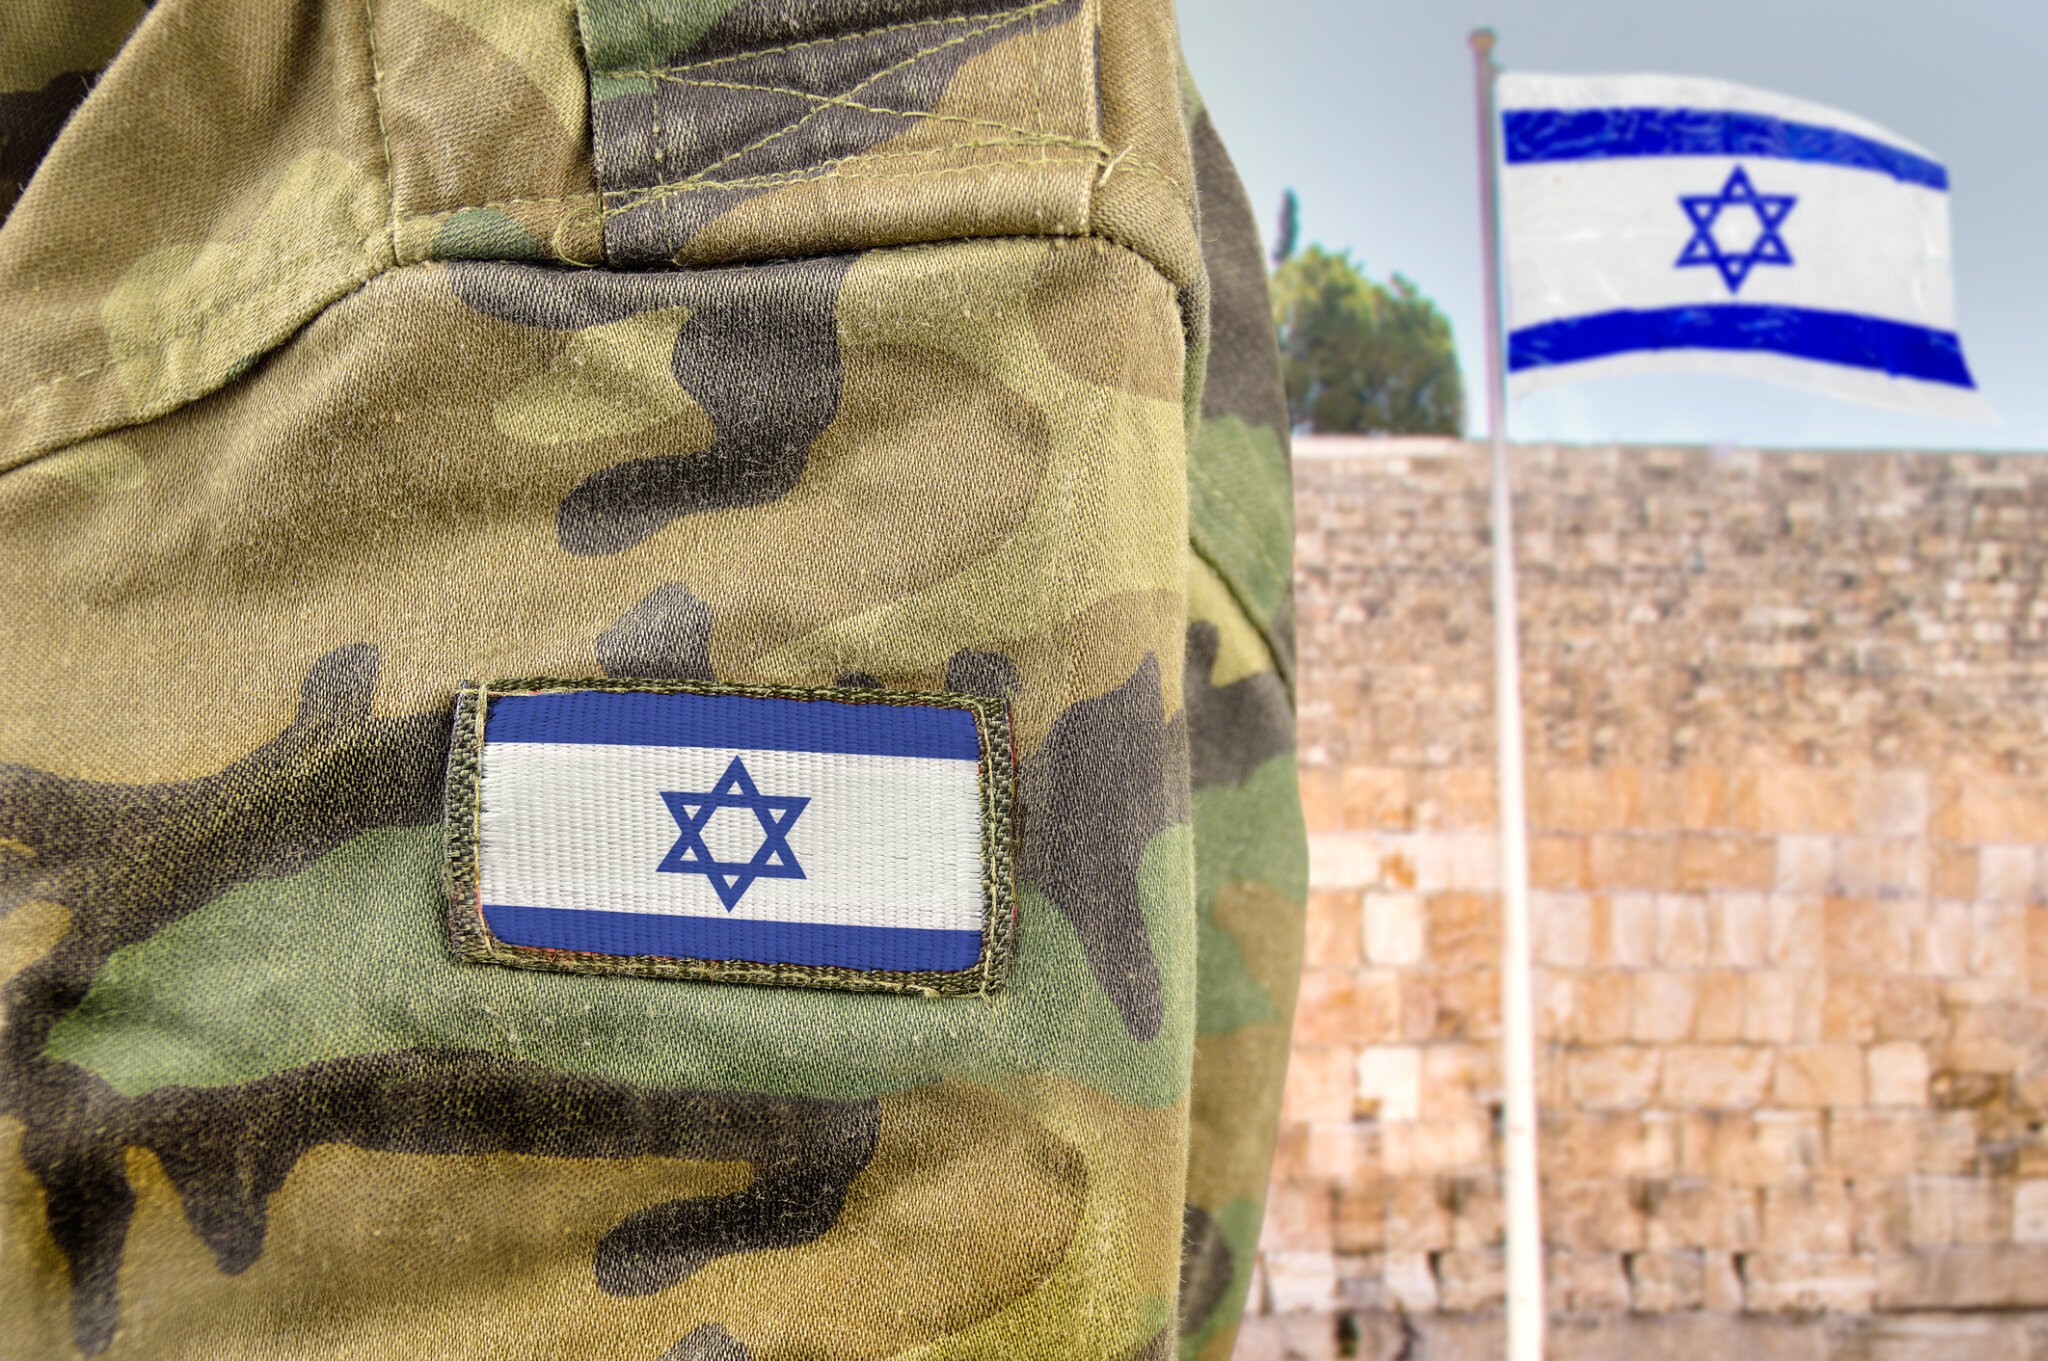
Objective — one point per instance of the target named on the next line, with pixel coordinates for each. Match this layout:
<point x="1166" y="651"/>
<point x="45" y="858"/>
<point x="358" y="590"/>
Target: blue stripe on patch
<point x="1846" y="338"/>
<point x="748" y="722"/>
<point x="903" y="949"/>
<point x="1537" y="135"/>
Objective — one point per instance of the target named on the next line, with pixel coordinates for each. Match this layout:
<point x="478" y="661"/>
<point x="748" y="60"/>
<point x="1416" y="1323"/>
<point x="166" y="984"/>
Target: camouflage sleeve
<point x="357" y="349"/>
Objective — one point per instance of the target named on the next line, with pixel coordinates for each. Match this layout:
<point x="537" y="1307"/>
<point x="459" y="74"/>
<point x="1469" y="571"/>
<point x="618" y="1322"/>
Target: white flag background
<point x="1657" y="224"/>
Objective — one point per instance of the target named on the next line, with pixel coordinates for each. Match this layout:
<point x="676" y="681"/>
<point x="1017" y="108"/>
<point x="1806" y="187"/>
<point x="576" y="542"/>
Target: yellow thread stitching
<point x="383" y="133"/>
<point x="197" y="323"/>
<point x="997" y="22"/>
<point x="846" y="168"/>
<point x="918" y="115"/>
<point x="826" y="42"/>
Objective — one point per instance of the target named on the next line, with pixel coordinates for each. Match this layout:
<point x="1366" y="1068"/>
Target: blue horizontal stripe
<point x="812" y="944"/>
<point x="1845" y="338"/>
<point x="1535" y="135"/>
<point x="648" y="719"/>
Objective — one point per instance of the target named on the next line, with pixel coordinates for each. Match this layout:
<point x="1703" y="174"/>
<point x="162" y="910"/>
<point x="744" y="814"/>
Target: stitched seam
<point x="826" y="42"/>
<point x="198" y="323"/>
<point x="996" y="22"/>
<point x="470" y="937"/>
<point x="835" y="170"/>
<point x="383" y="133"/>
<point x="1038" y="135"/>
<point x="656" y="154"/>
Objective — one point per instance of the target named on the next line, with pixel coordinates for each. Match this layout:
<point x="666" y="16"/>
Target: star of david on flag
<point x="1622" y="257"/>
<point x="731" y="879"/>
<point x="1705" y="247"/>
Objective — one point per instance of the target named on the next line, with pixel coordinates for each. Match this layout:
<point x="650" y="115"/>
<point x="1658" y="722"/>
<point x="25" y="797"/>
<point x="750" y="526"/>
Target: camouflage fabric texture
<point x="358" y="348"/>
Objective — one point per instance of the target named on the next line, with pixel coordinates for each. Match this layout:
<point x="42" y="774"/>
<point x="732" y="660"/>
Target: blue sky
<point x="1365" y="108"/>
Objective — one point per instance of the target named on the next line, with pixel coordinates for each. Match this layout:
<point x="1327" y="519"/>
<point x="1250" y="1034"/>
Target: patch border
<point x="470" y="937"/>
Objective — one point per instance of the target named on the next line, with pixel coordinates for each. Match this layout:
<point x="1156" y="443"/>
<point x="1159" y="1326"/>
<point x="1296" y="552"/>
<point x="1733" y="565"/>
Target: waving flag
<point x="1655" y="224"/>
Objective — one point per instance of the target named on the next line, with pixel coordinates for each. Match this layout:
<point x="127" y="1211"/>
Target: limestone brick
<point x="1819" y="1075"/>
<point x="1778" y="1283"/>
<point x="1716" y="1076"/>
<point x="1897" y="1074"/>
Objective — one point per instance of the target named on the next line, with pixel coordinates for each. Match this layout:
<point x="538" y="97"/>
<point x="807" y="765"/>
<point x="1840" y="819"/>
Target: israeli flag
<point x="1657" y="224"/>
<point x="802" y="832"/>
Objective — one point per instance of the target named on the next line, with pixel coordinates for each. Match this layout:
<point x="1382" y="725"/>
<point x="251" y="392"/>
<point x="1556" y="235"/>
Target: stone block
<point x="1868" y="1144"/>
<point x="1897" y="1074"/>
<point x="1909" y="1009"/>
<point x="1562" y="926"/>
<point x="1322" y="805"/>
<point x="1321" y="1083"/>
<point x="1805" y="866"/>
<point x="1816" y="1217"/>
<point x="1944" y="946"/>
<point x="1952" y="872"/>
<point x="1741" y="929"/>
<point x="1583" y="800"/>
<point x="1863" y="936"/>
<point x="1587" y="1282"/>
<point x="2030" y="1212"/>
<point x="1666" y="1002"/>
<point x="1778" y="1283"/>
<point x="1298" y="1216"/>
<point x="1686" y="1212"/>
<point x="2008" y="1277"/>
<point x="1409" y="1281"/>
<point x="1946" y="1338"/>
<point x="1393" y="929"/>
<point x="2009" y="874"/>
<point x="1795" y="799"/>
<point x="1300" y="1282"/>
<point x="1998" y="941"/>
<point x="1613" y="1077"/>
<point x="1643" y="863"/>
<point x="1716" y="1076"/>
<point x="1604" y="1006"/>
<point x="1591" y="1216"/>
<point x="1815" y="1076"/>
<point x="1867" y="868"/>
<point x="1376" y="798"/>
<point x="1849" y="1006"/>
<point x="1389" y="1082"/>
<point x="1467" y="1282"/>
<point x="1681" y="931"/>
<point x="1667" y="1282"/>
<point x="1780" y="1006"/>
<point x="1719" y="1016"/>
<point x="1415" y="1216"/>
<point x="1332" y="930"/>
<point x="1798" y="932"/>
<point x="1632" y="929"/>
<point x="1560" y="862"/>
<point x="1468" y="1005"/>
<point x="1460" y="930"/>
<point x="1709" y="863"/>
<point x="1891" y="803"/>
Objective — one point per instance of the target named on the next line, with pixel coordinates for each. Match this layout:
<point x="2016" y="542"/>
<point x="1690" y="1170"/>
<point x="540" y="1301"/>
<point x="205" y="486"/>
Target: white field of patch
<point x="891" y="841"/>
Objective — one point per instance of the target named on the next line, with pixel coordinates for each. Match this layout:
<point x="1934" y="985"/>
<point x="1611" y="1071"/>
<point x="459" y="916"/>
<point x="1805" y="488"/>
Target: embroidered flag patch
<point x="755" y="834"/>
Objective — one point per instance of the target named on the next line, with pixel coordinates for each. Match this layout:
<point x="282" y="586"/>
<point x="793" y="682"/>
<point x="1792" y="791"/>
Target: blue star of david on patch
<point x="1704" y="249"/>
<point x="731" y="879"/>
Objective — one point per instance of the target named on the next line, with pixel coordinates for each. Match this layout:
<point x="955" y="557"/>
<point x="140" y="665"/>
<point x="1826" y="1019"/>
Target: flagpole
<point x="1524" y="1220"/>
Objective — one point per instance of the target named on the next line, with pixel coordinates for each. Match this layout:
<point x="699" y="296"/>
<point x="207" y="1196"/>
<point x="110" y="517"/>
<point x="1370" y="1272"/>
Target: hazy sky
<point x="1365" y="107"/>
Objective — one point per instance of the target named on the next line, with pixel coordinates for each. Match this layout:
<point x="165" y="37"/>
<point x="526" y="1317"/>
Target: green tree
<point x="1363" y="357"/>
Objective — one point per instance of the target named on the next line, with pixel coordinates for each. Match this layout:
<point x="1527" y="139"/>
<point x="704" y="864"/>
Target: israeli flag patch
<point x="828" y="838"/>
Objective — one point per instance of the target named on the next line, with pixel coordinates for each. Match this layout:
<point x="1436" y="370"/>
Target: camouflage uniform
<point x="357" y="347"/>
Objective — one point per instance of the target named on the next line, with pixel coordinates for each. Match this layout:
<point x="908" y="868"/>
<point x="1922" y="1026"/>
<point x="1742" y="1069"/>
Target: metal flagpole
<point x="1525" y="1309"/>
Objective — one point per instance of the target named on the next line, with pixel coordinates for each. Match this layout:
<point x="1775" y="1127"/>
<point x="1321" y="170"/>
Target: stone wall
<point x="1788" y="730"/>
